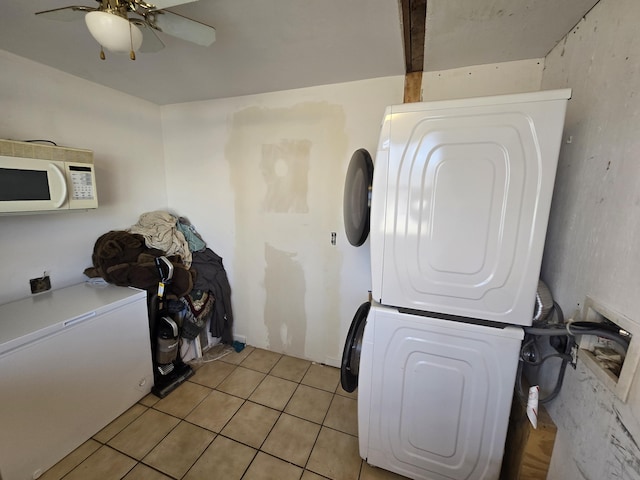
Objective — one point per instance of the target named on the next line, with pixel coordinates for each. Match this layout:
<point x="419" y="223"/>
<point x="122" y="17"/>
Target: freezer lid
<point x="29" y="319"/>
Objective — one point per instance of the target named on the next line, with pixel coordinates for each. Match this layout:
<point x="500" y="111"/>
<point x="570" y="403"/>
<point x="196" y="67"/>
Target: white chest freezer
<point x="71" y="361"/>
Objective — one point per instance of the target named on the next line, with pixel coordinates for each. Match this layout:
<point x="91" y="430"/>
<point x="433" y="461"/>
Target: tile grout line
<point x="244" y="401"/>
<point x="280" y="411"/>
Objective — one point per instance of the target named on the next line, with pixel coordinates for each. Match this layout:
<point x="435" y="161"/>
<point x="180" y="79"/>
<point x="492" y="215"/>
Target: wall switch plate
<point x="41" y="284"/>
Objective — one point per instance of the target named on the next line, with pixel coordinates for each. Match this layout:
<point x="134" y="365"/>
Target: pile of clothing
<point x="199" y="290"/>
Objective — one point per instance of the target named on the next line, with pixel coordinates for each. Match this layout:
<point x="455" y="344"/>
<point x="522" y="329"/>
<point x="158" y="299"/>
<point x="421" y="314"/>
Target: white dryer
<point x="460" y="203"/>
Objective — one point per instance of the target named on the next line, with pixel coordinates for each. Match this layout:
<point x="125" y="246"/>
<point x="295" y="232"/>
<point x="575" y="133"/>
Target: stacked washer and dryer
<point x="460" y="200"/>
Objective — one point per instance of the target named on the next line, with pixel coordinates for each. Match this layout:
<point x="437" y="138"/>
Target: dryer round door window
<point x="351" y="355"/>
<point x="357" y="197"/>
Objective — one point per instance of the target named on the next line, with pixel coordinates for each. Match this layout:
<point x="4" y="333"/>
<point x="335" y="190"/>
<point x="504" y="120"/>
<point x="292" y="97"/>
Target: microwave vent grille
<point x="14" y="148"/>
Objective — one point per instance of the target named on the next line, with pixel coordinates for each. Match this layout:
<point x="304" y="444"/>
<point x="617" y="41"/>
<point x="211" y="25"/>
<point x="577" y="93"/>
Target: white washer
<point x="434" y="395"/>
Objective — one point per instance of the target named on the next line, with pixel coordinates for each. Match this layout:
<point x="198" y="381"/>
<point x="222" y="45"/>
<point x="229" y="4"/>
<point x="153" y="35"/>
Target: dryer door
<point x="357" y="197"/>
<point x="351" y="355"/>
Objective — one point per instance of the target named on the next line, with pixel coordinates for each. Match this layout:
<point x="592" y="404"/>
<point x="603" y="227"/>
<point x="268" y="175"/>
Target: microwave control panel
<point x="81" y="183"/>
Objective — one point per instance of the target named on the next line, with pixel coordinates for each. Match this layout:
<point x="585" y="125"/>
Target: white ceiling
<point x="271" y="45"/>
<point x="476" y="32"/>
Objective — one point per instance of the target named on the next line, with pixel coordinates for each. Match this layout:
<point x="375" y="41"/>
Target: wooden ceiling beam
<point x="414" y="17"/>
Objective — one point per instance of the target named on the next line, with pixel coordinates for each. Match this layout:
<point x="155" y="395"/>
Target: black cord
<point x="558" y="387"/>
<point x="41" y="141"/>
<point x="537" y="363"/>
<point x="534" y="333"/>
<point x="595" y="330"/>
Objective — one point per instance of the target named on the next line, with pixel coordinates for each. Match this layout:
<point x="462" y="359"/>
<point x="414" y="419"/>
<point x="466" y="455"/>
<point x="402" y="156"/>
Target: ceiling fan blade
<point x="150" y="41"/>
<point x="67" y="14"/>
<point x="184" y="28"/>
<point x="158" y="4"/>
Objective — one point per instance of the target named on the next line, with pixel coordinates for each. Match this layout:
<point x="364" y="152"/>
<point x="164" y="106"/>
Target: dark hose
<point x="552" y="332"/>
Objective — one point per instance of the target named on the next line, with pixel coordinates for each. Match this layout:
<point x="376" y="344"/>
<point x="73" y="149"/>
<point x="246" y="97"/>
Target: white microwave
<point x="61" y="181"/>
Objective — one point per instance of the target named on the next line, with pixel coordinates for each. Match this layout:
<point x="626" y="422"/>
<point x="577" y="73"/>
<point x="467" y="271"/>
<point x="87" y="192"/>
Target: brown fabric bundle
<point x="122" y="258"/>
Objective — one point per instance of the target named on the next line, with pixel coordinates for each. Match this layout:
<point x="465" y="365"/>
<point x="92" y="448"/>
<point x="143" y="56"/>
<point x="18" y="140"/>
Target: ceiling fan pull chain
<point x="132" y="54"/>
<point x="102" y="57"/>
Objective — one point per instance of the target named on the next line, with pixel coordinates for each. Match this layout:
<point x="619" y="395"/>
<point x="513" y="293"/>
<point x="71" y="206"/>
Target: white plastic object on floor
<point x="532" y="405"/>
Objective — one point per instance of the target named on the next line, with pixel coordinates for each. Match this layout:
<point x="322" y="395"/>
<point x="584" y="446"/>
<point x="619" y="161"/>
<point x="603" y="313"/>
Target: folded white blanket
<point x="159" y="231"/>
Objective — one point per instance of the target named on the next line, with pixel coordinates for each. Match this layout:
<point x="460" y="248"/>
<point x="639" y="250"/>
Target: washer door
<point x="357" y="197"/>
<point x="352" y="347"/>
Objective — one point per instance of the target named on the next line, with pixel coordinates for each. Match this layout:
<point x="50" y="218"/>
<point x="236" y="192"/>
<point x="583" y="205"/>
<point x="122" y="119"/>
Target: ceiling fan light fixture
<point x="113" y="32"/>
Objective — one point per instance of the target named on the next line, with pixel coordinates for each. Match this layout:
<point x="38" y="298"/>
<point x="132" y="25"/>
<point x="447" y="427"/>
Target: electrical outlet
<point x="41" y="284"/>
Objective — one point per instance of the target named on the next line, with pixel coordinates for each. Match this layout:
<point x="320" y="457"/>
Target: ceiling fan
<point x="131" y="25"/>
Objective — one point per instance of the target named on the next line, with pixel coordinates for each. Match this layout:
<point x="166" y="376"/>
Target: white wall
<point x="262" y="179"/>
<point x="483" y="80"/>
<point x="39" y="102"/>
<point x="592" y="244"/>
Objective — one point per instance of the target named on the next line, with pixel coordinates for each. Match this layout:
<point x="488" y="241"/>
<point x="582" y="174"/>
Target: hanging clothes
<point x="211" y="276"/>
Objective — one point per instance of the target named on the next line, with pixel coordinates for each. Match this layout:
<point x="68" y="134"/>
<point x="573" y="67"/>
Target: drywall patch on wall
<point x="285" y="321"/>
<point x="286" y="169"/>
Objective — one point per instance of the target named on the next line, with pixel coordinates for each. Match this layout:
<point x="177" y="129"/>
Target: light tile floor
<point x="253" y="415"/>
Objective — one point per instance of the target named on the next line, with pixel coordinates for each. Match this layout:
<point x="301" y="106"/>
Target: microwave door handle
<point x="63" y="182"/>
